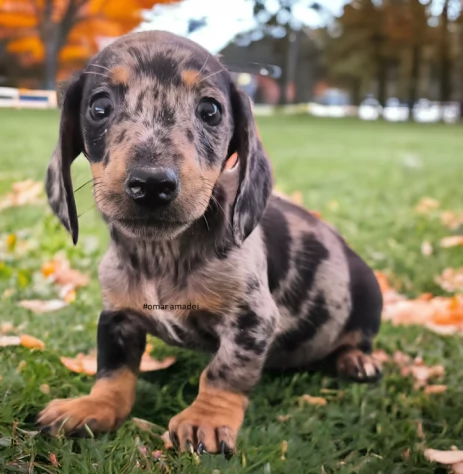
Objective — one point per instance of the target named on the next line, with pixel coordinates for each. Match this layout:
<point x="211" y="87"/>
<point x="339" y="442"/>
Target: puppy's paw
<point x="79" y="417"/>
<point x="208" y="425"/>
<point x="357" y="366"/>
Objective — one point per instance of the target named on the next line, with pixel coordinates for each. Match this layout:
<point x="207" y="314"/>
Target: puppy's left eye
<point x="209" y="111"/>
<point x="101" y="108"/>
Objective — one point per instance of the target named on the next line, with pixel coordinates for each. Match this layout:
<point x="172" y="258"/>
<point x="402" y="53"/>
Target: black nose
<point x="152" y="186"/>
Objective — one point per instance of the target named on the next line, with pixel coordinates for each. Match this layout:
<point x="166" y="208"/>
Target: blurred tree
<point x="62" y="34"/>
<point x="279" y="20"/>
<point x="376" y="39"/>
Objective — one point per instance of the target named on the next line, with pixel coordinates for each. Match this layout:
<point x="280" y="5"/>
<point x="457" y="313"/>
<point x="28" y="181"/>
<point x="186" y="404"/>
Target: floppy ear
<point x="255" y="175"/>
<point x="58" y="181"/>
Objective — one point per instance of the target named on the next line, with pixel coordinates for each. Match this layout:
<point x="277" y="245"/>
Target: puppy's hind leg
<point x="352" y="357"/>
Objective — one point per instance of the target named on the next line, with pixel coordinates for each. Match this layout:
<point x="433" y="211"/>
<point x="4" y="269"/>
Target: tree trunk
<point x="51" y="61"/>
<point x="284" y="78"/>
<point x="290" y="59"/>
<point x="382" y="81"/>
<point x="414" y="76"/>
<point x="355" y="90"/>
<point x="445" y="92"/>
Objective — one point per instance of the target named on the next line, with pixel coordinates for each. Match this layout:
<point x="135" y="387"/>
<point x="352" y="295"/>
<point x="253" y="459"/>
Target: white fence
<point x="27" y="99"/>
<point x="423" y="111"/>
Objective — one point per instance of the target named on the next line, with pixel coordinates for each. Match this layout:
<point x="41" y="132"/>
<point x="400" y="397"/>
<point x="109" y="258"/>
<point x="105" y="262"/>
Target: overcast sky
<point x="225" y="18"/>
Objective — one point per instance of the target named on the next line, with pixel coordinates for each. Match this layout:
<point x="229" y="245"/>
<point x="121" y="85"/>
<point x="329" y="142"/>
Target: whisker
<point x="85" y="184"/>
<point x="99" y="65"/>
<point x="213" y="74"/>
<point x="97" y="73"/>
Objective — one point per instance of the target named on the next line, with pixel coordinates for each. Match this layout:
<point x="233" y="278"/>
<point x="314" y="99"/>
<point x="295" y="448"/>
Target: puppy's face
<point x="156" y="123"/>
<point x="157" y="118"/>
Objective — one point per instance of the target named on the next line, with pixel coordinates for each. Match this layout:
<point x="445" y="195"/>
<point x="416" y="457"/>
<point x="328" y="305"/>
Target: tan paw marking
<point x="211" y="423"/>
<point x="105" y="409"/>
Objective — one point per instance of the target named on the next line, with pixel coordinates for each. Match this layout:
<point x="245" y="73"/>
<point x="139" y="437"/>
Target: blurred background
<point x="393" y="53"/>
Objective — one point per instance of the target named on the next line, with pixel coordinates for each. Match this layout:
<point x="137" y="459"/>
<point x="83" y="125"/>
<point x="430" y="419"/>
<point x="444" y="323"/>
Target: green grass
<point x="365" y="178"/>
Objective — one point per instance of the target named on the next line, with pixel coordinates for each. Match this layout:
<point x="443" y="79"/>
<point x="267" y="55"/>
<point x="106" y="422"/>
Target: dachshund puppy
<point x="202" y="254"/>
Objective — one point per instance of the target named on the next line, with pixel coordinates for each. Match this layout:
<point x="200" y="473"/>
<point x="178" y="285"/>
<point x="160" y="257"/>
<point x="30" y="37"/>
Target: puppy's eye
<point x="209" y="111"/>
<point x="101" y="108"/>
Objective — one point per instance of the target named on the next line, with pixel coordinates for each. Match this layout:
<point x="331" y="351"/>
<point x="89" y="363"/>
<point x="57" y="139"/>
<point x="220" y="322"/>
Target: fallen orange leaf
<point x="426" y="248"/>
<point x="381" y="356"/>
<point x="320" y="401"/>
<point x="451" y="279"/>
<point x="452" y="220"/>
<point x="87" y="363"/>
<point x="54" y="460"/>
<point x="60" y="271"/>
<point x="40" y="306"/>
<point x="31" y="342"/>
<point x="24" y="340"/>
<point x="431" y="389"/>
<point x="23" y="192"/>
<point x="452" y="241"/>
<point x="167" y="441"/>
<point x="283" y="418"/>
<point x="426" y="205"/>
<point x="10" y="341"/>
<point x="444" y="457"/>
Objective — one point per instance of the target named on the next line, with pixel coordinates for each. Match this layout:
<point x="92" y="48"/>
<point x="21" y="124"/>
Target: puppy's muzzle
<point x="152" y="187"/>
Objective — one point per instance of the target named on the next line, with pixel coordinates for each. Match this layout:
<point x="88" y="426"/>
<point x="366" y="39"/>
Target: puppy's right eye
<point x="101" y="108"/>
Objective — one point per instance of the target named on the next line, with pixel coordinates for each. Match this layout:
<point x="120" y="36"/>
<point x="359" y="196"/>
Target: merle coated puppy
<point x="161" y="124"/>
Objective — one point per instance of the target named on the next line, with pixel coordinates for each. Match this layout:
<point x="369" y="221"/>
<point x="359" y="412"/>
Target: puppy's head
<point x="157" y="118"/>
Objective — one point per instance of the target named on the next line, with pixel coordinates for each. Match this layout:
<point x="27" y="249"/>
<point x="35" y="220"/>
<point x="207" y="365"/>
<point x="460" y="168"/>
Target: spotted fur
<point x="273" y="286"/>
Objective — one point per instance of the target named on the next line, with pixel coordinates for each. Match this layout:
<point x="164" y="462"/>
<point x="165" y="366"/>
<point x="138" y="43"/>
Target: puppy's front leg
<point x="121" y="343"/>
<point x="211" y="423"/>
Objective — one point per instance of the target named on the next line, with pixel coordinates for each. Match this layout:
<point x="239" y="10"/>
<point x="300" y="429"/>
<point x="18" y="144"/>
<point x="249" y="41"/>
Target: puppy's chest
<point x="183" y="313"/>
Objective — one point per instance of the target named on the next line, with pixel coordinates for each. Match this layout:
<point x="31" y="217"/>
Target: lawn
<point x="364" y="178"/>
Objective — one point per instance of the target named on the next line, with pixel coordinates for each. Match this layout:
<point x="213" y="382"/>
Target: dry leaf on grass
<point x="451" y="279"/>
<point x="426" y="205"/>
<point x="432" y="389"/>
<point x="10" y="341"/>
<point x="42" y="306"/>
<point x="451" y="220"/>
<point x="284" y="449"/>
<point x="443" y="315"/>
<point x="426" y="248"/>
<point x="6" y="327"/>
<point x="86" y="363"/>
<point x="24" y="340"/>
<point x="320" y="401"/>
<point x="167" y="441"/>
<point x="444" y="457"/>
<point x="283" y="418"/>
<point x="60" y="272"/>
<point x="452" y="241"/>
<point x="31" y="342"/>
<point x="415" y="368"/>
<point x="381" y="356"/>
<point x="54" y="460"/>
<point x="23" y="192"/>
<point x="146" y="425"/>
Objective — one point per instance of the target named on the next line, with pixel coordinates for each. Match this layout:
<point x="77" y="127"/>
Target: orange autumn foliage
<point x="25" y="25"/>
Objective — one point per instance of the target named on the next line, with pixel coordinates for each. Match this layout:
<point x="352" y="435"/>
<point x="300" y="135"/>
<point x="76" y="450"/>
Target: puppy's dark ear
<point x="255" y="175"/>
<point x="58" y="180"/>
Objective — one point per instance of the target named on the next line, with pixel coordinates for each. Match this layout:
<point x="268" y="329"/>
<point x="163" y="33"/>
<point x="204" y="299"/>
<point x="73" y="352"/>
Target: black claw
<point x="174" y="438"/>
<point x="189" y="446"/>
<point x="201" y="449"/>
<point x="225" y="450"/>
<point x="45" y="430"/>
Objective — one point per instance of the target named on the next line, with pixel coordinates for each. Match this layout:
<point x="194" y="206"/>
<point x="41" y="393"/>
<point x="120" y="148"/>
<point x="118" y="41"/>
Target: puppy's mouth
<point x="149" y="227"/>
